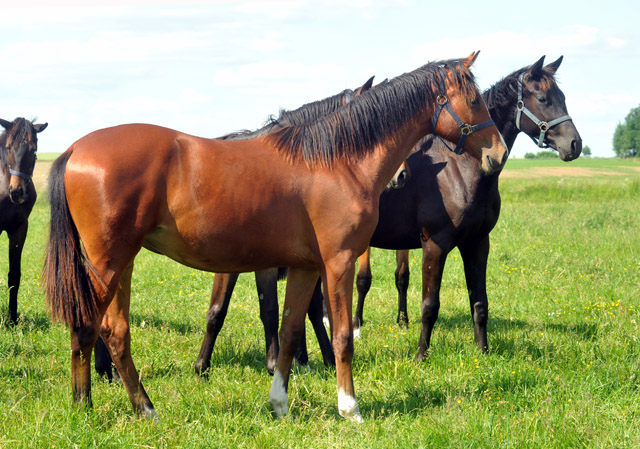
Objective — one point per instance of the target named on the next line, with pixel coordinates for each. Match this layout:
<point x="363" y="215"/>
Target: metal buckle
<point x="466" y="129"/>
<point x="520" y="105"/>
<point x="442" y="99"/>
<point x="544" y="126"/>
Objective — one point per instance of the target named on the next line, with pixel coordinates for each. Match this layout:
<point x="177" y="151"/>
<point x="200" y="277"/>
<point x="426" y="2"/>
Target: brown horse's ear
<point x="40" y="127"/>
<point x="365" y="87"/>
<point x="535" y="71"/>
<point x="469" y="60"/>
<point x="5" y="124"/>
<point x="553" y="67"/>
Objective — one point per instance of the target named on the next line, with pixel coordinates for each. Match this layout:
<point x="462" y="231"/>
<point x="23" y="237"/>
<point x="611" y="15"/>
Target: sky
<point x="212" y="67"/>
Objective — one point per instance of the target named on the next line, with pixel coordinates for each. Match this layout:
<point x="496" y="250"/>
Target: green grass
<point x="562" y="372"/>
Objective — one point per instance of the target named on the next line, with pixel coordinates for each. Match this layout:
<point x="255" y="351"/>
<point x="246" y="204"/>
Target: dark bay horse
<point x="18" y="146"/>
<point x="449" y="202"/>
<point x="266" y="280"/>
<point x="304" y="197"/>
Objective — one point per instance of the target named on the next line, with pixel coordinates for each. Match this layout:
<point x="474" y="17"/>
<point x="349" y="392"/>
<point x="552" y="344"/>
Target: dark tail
<point x="70" y="293"/>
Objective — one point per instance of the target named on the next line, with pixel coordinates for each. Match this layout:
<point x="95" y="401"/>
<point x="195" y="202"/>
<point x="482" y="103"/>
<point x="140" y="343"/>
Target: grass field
<point x="563" y="369"/>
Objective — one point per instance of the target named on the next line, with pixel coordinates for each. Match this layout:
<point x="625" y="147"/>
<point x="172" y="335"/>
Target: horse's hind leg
<point x="300" y="285"/>
<point x="402" y="285"/>
<point x="267" y="286"/>
<point x="16" y="243"/>
<point x="363" y="284"/>
<point x="221" y="292"/>
<point x="82" y="341"/>
<point x="474" y="257"/>
<point x="102" y="360"/>
<point x="116" y="334"/>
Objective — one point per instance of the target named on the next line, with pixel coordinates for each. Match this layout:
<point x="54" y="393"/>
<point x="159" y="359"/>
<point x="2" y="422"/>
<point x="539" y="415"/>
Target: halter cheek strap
<point x="541" y="124"/>
<point x="465" y="129"/>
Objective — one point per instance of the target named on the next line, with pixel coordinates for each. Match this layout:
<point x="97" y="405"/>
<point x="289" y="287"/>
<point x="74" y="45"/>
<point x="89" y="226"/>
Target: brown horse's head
<point x="467" y="120"/>
<point x="542" y="112"/>
<point x="18" y="144"/>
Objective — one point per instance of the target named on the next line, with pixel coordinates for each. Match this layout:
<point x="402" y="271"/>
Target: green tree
<point x="586" y="151"/>
<point x="626" y="137"/>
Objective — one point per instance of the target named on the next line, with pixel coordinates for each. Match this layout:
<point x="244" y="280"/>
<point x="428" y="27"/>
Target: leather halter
<point x="542" y="125"/>
<point x="465" y="129"/>
<point x="24" y="176"/>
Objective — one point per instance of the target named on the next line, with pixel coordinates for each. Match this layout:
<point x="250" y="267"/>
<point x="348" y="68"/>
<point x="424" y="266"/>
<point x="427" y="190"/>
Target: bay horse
<point x="304" y="197"/>
<point x="449" y="202"/>
<point x="18" y="147"/>
<point x="266" y="280"/>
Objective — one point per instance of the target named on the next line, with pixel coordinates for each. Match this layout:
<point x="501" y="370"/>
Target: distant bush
<point x="546" y="154"/>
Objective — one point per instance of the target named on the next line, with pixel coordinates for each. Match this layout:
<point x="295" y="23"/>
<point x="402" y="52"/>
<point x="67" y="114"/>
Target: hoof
<point x="150" y="413"/>
<point x="348" y="407"/>
<point x="278" y="397"/>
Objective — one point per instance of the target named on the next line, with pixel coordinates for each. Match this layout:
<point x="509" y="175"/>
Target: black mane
<point x="501" y="97"/>
<point x="308" y="112"/>
<point x="372" y="117"/>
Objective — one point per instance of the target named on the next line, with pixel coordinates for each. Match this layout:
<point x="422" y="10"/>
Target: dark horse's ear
<point x="365" y="87"/>
<point x="535" y="71"/>
<point x="40" y="127"/>
<point x="5" y="124"/>
<point x="553" y="67"/>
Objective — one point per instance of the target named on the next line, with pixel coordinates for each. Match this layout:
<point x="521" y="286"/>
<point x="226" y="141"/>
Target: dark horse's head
<point x="18" y="146"/>
<point x="545" y="114"/>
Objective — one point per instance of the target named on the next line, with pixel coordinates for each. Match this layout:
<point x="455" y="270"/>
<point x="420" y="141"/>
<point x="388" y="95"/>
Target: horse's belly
<point x="231" y="251"/>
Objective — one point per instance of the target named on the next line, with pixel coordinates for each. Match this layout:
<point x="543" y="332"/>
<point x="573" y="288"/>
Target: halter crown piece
<point x="541" y="124"/>
<point x="465" y="129"/>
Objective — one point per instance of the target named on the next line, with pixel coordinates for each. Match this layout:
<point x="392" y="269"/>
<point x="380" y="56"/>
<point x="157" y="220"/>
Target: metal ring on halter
<point x="466" y="129"/>
<point x="442" y="99"/>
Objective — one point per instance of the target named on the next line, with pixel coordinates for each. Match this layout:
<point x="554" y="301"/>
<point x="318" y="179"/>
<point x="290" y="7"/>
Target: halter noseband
<point x="465" y="129"/>
<point x="24" y="176"/>
<point x="542" y="125"/>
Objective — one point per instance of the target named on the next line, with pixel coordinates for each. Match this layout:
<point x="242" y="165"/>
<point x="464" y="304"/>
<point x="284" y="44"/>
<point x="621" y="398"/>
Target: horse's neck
<point x="508" y="130"/>
<point x="387" y="157"/>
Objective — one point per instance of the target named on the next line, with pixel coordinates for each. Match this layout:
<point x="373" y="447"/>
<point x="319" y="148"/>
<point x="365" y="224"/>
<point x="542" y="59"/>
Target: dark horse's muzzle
<point x="17" y="195"/>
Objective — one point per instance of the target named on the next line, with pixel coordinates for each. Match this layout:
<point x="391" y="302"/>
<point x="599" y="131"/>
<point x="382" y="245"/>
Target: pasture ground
<point x="563" y="369"/>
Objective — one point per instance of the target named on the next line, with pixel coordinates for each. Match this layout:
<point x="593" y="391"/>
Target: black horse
<point x="449" y="203"/>
<point x="446" y="202"/>
<point x="18" y="146"/>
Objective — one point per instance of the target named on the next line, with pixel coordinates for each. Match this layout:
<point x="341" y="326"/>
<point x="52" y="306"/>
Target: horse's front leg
<point x="267" y="286"/>
<point x="338" y="282"/>
<point x="221" y="292"/>
<point x="475" y="256"/>
<point x="315" y="316"/>
<point x="300" y="285"/>
<point x="402" y="285"/>
<point x="433" y="260"/>
<point x="16" y="243"/>
<point x="363" y="284"/>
